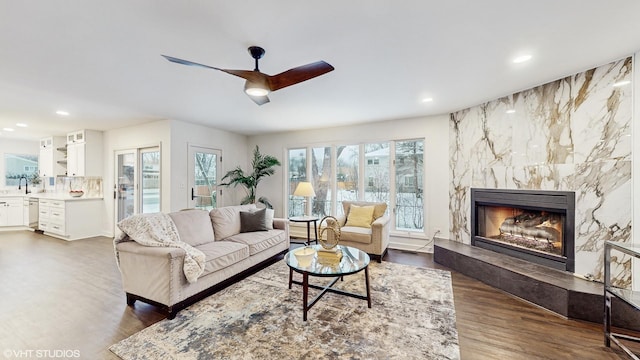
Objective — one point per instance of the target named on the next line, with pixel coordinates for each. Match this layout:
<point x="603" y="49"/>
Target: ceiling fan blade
<point x="189" y="63"/>
<point x="260" y="100"/>
<point x="245" y="74"/>
<point x="298" y="75"/>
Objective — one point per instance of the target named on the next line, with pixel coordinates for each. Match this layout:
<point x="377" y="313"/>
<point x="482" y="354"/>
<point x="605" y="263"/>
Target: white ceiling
<point x="100" y="60"/>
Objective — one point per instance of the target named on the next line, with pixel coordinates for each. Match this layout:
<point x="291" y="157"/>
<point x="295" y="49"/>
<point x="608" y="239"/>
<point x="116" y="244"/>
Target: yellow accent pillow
<point x="360" y="216"/>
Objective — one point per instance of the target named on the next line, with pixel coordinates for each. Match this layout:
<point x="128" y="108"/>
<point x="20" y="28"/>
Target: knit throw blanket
<point x="158" y="229"/>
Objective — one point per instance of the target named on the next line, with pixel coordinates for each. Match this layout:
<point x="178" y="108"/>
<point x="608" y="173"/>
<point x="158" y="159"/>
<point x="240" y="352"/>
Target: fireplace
<point x="533" y="225"/>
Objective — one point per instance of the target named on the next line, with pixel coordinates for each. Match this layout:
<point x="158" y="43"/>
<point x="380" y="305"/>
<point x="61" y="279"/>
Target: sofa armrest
<point x="381" y="221"/>
<point x="280" y="223"/>
<point x="135" y="248"/>
<point x="380" y="233"/>
<point x="151" y="272"/>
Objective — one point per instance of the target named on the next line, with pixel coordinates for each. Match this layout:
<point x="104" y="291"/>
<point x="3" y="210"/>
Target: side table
<point x="308" y="220"/>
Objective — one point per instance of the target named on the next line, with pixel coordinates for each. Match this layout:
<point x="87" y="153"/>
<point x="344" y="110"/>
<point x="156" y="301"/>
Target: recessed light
<point x="510" y="111"/>
<point x="62" y="113"/>
<point x="522" y="58"/>
<point x="21" y="125"/>
<point x="622" y="83"/>
<point x="427" y="100"/>
<point x="7" y="129"/>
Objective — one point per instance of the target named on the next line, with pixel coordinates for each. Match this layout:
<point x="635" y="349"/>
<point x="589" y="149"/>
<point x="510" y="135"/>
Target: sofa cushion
<point x="259" y="241"/>
<point x="222" y="254"/>
<point x="355" y="234"/>
<point x="379" y="208"/>
<point x="226" y="220"/>
<point x="253" y="221"/>
<point x="194" y="226"/>
<point x="360" y="216"/>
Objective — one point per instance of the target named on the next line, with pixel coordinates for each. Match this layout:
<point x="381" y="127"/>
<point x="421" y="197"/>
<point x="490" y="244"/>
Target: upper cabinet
<point x="52" y="156"/>
<point x="84" y="153"/>
<point x="78" y="136"/>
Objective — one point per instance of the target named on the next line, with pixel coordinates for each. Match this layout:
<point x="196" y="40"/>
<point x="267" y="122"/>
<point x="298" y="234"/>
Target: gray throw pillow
<point x="253" y="221"/>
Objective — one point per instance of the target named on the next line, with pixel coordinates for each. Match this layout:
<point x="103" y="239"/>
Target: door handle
<point x="193" y="195"/>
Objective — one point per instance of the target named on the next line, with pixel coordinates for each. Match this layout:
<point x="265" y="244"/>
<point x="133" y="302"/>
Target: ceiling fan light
<point x="256" y="88"/>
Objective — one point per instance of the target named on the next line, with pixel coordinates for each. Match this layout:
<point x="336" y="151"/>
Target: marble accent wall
<point x="572" y="134"/>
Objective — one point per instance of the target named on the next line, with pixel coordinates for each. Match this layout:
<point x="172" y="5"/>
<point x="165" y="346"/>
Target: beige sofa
<point x="155" y="274"/>
<point x="373" y="240"/>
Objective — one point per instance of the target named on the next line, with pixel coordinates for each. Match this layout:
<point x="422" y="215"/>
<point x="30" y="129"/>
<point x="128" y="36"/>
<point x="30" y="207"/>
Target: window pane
<point x="150" y="163"/>
<point x="205" y="178"/>
<point x="297" y="173"/>
<point x="376" y="172"/>
<point x="17" y="166"/>
<point x="321" y="171"/>
<point x="347" y="176"/>
<point x="409" y="205"/>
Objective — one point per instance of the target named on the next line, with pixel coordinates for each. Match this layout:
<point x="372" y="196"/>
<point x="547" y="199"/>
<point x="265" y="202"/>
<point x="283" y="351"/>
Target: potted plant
<point x="35" y="181"/>
<point x="262" y="165"/>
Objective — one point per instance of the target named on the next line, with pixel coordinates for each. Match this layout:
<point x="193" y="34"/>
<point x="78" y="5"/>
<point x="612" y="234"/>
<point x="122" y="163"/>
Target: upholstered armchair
<point x="364" y="226"/>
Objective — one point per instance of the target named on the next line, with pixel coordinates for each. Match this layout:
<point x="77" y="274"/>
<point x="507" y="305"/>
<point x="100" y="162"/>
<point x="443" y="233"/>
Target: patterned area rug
<point x="412" y="317"/>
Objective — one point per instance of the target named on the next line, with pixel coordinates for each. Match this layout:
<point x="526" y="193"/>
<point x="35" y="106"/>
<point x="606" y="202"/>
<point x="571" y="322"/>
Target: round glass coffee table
<point x="352" y="261"/>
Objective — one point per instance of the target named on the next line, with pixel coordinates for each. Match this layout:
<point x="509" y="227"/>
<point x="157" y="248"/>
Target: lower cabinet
<point x="70" y="219"/>
<point x="11" y="211"/>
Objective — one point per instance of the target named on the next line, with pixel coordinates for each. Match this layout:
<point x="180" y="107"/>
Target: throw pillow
<point x="253" y="221"/>
<point x="360" y="216"/>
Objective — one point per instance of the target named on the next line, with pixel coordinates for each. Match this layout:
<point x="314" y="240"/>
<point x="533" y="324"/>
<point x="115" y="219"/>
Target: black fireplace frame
<point x="562" y="202"/>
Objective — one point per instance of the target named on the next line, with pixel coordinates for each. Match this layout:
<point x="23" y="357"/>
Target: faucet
<point x="26" y="184"/>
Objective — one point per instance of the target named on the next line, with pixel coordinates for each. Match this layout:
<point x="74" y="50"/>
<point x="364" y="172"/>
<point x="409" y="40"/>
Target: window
<point x="17" y="166"/>
<point x="409" y="207"/>
<point x="390" y="172"/>
<point x="321" y="181"/>
<point x="297" y="172"/>
<point x="150" y="164"/>
<point x="347" y="170"/>
<point x="377" y="171"/>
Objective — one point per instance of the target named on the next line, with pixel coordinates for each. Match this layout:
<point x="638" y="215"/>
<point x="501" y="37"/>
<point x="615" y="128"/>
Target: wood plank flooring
<point x="58" y="295"/>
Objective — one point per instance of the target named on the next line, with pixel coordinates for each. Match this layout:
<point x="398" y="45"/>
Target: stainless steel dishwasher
<point x="33" y="213"/>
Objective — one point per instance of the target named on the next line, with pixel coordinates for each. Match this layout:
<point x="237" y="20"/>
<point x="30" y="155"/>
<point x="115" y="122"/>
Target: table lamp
<point x="305" y="190"/>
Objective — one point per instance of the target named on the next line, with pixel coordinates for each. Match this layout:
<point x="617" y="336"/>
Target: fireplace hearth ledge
<point x="556" y="290"/>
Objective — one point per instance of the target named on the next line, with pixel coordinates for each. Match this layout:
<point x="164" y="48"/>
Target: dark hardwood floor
<point x="59" y="295"/>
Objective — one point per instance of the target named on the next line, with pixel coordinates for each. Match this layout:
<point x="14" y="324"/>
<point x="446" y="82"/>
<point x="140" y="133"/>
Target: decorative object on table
<point x="222" y="325"/>
<point x="262" y="165"/>
<point x="304" y="189"/>
<point x="304" y="255"/>
<point x="330" y="256"/>
<point x="330" y="242"/>
<point x="76" y="193"/>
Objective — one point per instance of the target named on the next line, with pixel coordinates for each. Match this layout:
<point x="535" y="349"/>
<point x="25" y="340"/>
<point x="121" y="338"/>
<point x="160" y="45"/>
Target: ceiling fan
<point x="258" y="84"/>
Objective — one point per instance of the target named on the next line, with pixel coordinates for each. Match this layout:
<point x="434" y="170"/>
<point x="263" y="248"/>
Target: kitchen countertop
<point x="50" y="196"/>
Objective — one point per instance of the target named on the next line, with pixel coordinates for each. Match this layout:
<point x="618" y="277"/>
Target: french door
<point x="137" y="182"/>
<point x="204" y="165"/>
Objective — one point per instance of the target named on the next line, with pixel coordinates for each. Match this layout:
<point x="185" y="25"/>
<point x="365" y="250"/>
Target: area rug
<point x="412" y="317"/>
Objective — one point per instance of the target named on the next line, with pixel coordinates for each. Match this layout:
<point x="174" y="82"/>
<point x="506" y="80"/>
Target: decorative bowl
<point x="76" y="193"/>
<point x="304" y="255"/>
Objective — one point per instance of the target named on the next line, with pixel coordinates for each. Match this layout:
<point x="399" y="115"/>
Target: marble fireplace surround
<point x="572" y="134"/>
<point x="559" y="202"/>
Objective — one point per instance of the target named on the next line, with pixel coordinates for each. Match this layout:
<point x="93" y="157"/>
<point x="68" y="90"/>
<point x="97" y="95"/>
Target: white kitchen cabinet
<point x="71" y="219"/>
<point x="11" y="211"/>
<point x="52" y="157"/>
<point x="84" y="153"/>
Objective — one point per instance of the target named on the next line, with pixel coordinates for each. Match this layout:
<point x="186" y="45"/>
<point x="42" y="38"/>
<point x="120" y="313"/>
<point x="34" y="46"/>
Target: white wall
<point x="9" y="146"/>
<point x="434" y="129"/>
<point x="234" y="153"/>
